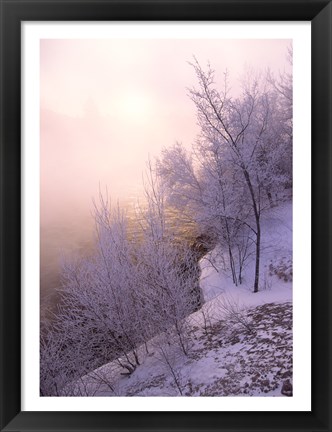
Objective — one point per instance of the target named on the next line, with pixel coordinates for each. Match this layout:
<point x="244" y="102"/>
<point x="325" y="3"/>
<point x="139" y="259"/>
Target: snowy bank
<point x="239" y="342"/>
<point x="276" y="265"/>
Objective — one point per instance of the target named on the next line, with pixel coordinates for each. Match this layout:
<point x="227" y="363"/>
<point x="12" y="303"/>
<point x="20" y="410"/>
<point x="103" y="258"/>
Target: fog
<point x="109" y="105"/>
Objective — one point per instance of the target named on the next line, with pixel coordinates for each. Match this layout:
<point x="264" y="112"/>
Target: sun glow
<point x="135" y="105"/>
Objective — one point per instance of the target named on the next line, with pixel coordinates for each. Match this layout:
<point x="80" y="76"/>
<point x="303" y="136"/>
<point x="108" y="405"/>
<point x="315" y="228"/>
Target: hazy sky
<point x="106" y="105"/>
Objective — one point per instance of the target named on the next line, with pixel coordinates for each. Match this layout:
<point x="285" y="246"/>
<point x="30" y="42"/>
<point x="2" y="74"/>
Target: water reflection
<point x="56" y="241"/>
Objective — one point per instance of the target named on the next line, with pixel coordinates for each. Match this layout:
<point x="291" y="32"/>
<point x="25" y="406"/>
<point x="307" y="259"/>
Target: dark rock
<point x="287" y="388"/>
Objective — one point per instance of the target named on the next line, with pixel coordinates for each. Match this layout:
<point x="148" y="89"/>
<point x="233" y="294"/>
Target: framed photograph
<point x="165" y="215"/>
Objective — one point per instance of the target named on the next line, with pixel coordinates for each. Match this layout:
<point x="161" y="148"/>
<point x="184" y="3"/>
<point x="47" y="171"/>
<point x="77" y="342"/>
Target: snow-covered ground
<point x="238" y="344"/>
<point x="275" y="266"/>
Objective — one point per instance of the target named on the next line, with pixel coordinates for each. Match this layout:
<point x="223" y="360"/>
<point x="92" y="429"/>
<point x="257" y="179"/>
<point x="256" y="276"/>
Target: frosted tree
<point x="197" y="185"/>
<point x="228" y="180"/>
<point x="167" y="270"/>
<point x="102" y="293"/>
<point x="249" y="133"/>
<point x="54" y="375"/>
<point x="98" y="319"/>
<point x="283" y="87"/>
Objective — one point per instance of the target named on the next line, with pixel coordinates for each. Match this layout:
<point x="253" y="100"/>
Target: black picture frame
<point x="13" y="12"/>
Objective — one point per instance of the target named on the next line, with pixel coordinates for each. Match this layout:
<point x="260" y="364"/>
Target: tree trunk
<point x="258" y="228"/>
<point x="258" y="253"/>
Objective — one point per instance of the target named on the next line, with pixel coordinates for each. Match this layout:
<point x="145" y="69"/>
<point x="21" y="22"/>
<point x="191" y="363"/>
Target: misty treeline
<point x="135" y="286"/>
